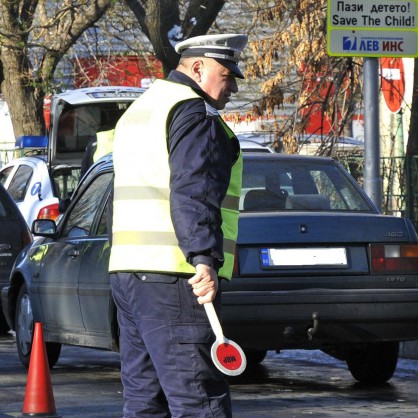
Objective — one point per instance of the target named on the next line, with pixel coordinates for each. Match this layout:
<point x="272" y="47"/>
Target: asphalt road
<point x="298" y="383"/>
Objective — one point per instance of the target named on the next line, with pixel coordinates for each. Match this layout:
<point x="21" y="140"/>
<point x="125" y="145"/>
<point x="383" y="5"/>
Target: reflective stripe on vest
<point x="104" y="144"/>
<point x="143" y="234"/>
<point x="229" y="210"/>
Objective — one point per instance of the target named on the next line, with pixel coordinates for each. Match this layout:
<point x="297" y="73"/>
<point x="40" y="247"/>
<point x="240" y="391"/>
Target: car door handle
<point x="73" y="253"/>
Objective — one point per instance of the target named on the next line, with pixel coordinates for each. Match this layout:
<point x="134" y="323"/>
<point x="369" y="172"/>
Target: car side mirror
<point x="44" y="228"/>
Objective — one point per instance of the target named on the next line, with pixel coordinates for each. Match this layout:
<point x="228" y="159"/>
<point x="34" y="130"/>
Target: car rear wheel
<point x="24" y="332"/>
<point x="254" y="356"/>
<point x="374" y="362"/>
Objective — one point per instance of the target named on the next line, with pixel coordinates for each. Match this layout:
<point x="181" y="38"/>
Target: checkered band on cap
<point x="226" y="49"/>
<point x="229" y="46"/>
<point x="219" y="53"/>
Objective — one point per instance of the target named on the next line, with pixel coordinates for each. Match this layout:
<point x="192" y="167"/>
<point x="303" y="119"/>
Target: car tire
<point x="254" y="356"/>
<point x="374" y="362"/>
<point x="24" y="325"/>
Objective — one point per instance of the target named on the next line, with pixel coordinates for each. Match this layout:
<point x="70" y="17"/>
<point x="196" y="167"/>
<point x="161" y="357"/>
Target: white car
<point x="255" y="142"/>
<point x="35" y="189"/>
<point x="252" y="146"/>
<point x="50" y="169"/>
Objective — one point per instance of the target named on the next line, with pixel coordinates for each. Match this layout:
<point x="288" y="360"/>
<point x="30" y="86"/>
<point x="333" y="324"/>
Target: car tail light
<point x="394" y="258"/>
<point x="49" y="212"/>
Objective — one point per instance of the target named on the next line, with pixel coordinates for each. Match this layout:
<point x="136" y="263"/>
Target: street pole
<point x="400" y="151"/>
<point x="372" y="178"/>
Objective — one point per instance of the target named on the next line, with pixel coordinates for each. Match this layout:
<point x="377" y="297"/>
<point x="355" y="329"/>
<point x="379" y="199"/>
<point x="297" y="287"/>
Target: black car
<point x="317" y="267"/>
<point x="14" y="236"/>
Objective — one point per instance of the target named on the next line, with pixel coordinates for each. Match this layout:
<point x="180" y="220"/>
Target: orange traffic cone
<point x="39" y="397"/>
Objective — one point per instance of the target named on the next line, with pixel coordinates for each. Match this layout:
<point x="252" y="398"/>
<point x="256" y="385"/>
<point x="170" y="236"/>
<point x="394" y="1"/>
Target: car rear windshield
<point x="77" y="124"/>
<point x="278" y="185"/>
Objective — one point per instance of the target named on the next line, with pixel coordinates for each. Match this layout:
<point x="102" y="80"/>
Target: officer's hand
<point x="204" y="283"/>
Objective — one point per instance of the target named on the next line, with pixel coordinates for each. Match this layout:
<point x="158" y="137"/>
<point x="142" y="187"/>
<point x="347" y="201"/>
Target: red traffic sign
<point x="393" y="82"/>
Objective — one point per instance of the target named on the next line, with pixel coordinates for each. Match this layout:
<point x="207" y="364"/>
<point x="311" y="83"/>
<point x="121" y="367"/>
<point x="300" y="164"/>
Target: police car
<point x="49" y="168"/>
<point x="35" y="189"/>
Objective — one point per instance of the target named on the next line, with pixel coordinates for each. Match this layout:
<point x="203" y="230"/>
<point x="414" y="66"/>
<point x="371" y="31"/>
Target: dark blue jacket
<point x="201" y="157"/>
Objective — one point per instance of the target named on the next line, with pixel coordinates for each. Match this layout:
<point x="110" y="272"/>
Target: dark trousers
<point x="165" y="340"/>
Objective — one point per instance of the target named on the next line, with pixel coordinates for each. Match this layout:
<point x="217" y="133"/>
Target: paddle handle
<point x="214" y="322"/>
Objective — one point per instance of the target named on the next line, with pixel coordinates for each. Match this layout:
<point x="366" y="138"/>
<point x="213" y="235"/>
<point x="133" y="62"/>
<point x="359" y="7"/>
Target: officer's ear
<point x="196" y="70"/>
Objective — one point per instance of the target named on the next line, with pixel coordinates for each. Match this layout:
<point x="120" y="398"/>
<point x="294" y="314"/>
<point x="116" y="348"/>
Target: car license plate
<point x="303" y="257"/>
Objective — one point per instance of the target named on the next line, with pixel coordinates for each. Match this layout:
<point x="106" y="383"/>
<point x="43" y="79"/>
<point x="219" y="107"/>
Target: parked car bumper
<point x="317" y="318"/>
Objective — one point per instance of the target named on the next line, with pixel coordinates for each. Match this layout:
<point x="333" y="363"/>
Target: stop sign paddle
<point x="227" y="355"/>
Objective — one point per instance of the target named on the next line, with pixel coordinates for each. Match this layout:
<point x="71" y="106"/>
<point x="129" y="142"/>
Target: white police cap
<point x="226" y="49"/>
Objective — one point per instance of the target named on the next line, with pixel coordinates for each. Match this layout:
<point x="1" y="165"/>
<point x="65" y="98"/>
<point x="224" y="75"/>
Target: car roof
<point x="34" y="159"/>
<point x="259" y="137"/>
<point x="287" y="157"/>
<point x="99" y="94"/>
<point x="106" y="162"/>
<point x="252" y="146"/>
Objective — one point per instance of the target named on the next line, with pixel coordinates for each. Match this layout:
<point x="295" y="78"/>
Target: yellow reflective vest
<point x="104" y="144"/>
<point x="143" y="234"/>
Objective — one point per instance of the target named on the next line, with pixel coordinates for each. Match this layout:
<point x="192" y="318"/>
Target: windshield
<point x="296" y="185"/>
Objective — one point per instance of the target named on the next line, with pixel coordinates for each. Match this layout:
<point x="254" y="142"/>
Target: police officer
<point x="175" y="217"/>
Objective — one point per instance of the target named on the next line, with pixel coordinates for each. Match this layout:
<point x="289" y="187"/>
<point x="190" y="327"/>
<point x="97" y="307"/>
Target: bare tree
<point x="34" y="35"/>
<point x="165" y="22"/>
<point x="104" y="51"/>
<point x="290" y="55"/>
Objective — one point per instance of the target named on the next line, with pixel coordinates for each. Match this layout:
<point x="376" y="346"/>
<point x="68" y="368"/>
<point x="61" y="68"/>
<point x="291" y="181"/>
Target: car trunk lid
<point x="323" y="243"/>
<point x="76" y="116"/>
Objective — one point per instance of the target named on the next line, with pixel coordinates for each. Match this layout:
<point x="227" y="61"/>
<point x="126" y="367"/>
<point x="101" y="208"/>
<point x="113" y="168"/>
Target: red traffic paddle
<point x="227" y="355"/>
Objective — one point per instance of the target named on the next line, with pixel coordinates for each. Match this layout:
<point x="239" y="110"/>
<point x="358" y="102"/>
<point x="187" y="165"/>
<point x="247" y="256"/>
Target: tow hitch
<point x="314" y="329"/>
